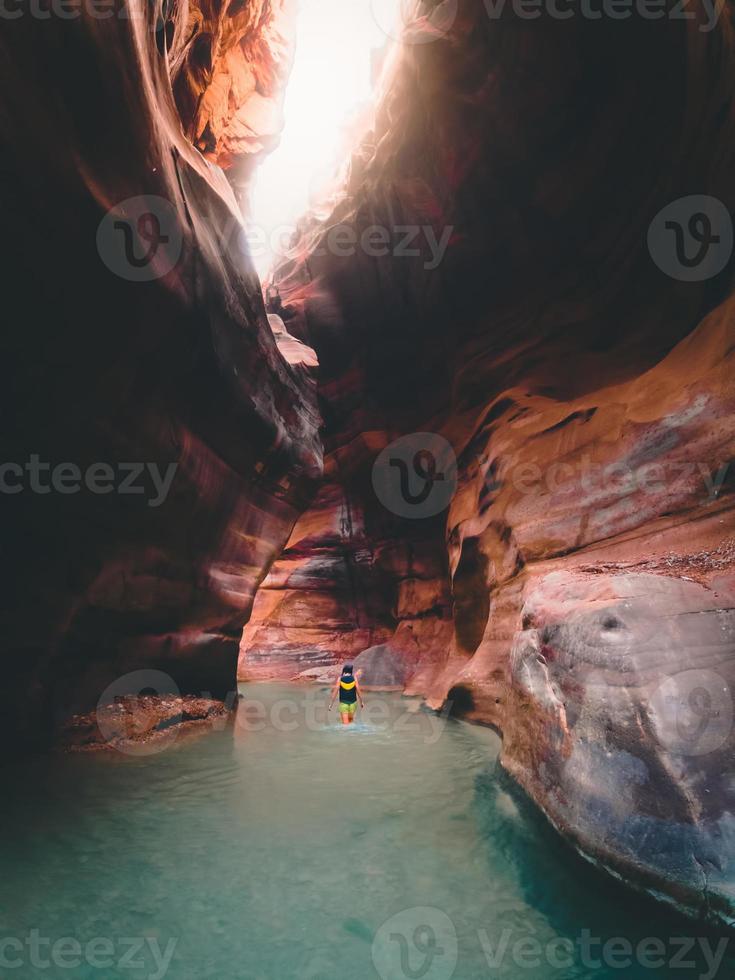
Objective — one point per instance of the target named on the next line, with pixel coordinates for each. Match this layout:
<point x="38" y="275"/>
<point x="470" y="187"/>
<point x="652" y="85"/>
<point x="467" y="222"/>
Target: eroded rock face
<point x="181" y="372"/>
<point x="584" y="567"/>
<point x="318" y="604"/>
<point x="140" y="725"/>
<point x="229" y="65"/>
<point x="620" y="719"/>
<point x="350" y="579"/>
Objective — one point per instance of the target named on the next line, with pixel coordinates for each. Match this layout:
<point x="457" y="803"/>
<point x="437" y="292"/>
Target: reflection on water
<point x="279" y="846"/>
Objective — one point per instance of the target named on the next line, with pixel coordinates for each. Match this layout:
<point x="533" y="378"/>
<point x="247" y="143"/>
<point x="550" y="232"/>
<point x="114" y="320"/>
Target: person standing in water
<point x="349" y="695"/>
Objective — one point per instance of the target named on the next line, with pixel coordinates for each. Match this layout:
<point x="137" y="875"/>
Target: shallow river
<point x="283" y="846"/>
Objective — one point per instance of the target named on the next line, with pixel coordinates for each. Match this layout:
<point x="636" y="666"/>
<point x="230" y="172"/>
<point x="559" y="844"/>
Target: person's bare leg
<point x="345" y="718"/>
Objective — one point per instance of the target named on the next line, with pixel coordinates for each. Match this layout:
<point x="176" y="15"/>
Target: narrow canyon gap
<point x="560" y="597"/>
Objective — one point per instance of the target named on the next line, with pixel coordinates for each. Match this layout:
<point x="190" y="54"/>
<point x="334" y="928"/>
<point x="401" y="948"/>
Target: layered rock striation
<point x="578" y="590"/>
<point x="229" y="66"/>
<point x="575" y="587"/>
<point x="158" y="446"/>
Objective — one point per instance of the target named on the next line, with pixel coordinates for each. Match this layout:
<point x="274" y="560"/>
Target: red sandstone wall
<point x="181" y="370"/>
<point x="585" y="616"/>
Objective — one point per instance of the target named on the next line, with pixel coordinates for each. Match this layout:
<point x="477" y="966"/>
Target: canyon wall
<point x="158" y="444"/>
<point x="563" y="393"/>
<point x="576" y="590"/>
<point x="229" y="67"/>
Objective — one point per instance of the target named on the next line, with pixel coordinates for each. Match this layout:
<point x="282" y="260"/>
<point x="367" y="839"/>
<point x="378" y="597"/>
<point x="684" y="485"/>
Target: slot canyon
<point x="483" y="278"/>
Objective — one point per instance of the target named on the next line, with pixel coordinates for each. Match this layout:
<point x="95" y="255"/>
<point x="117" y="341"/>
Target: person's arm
<point x="359" y="694"/>
<point x="334" y="694"/>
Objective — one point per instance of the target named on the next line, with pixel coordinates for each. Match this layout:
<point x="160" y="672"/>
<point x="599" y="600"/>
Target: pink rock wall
<point x="181" y="370"/>
<point x="584" y="566"/>
<point x="229" y="65"/>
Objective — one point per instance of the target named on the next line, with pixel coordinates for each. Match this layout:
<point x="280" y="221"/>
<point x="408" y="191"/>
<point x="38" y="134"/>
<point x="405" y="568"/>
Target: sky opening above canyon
<point x="332" y="85"/>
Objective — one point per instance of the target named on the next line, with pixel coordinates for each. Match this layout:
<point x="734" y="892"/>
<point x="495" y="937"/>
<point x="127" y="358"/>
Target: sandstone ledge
<point x="141" y="725"/>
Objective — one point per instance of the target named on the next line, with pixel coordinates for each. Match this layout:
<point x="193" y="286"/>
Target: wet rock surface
<point x="620" y="718"/>
<point x="141" y="725"/>
<point x="577" y="591"/>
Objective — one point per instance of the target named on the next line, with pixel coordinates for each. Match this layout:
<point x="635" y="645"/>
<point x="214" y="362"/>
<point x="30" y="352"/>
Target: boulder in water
<point x="381" y="667"/>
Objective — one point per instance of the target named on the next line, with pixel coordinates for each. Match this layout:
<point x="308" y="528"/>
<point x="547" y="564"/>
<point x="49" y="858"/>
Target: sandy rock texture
<point x="578" y="590"/>
<point x="142" y="725"/>
<point x="163" y="360"/>
<point x="229" y="65"/>
<point x="576" y="587"/>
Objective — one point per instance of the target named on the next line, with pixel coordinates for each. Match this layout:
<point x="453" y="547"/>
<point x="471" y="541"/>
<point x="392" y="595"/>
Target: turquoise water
<point x="283" y="846"/>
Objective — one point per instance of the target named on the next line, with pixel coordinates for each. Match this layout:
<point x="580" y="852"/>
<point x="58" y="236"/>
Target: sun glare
<point x="338" y="44"/>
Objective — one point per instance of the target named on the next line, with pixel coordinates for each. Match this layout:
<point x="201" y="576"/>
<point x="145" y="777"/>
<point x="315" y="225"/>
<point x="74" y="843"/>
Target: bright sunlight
<point x="339" y="43"/>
